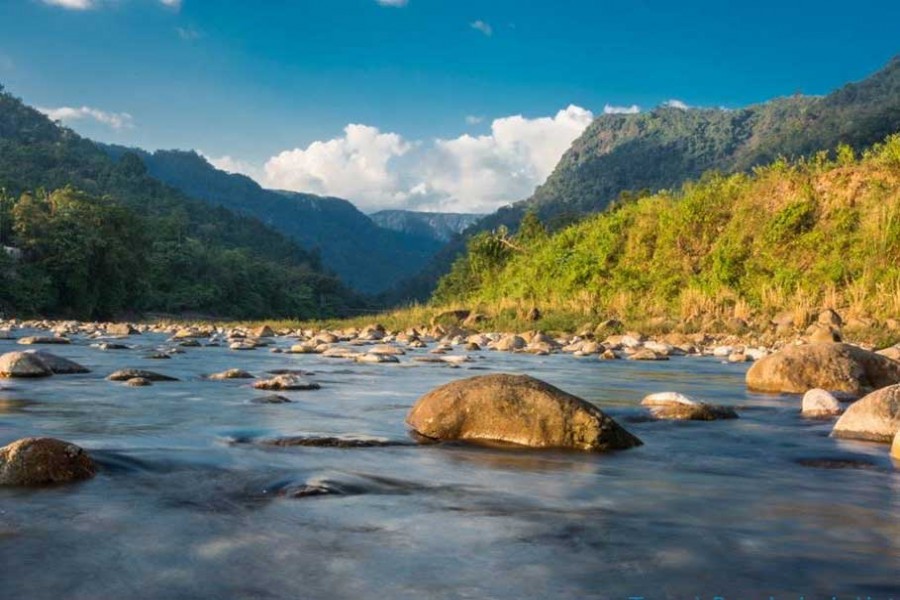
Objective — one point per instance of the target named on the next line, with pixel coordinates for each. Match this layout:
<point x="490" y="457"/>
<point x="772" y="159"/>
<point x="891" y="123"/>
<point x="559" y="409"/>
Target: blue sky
<point x="248" y="82"/>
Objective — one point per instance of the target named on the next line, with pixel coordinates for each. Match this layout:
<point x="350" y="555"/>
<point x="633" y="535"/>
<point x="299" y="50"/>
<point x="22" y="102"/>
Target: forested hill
<point x="174" y="253"/>
<point x="367" y="257"/>
<point x="663" y="148"/>
<point x="439" y="226"/>
<point x="788" y="237"/>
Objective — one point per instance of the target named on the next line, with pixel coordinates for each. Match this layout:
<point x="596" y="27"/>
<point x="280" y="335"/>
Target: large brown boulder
<point x="833" y="367"/>
<point x="37" y="461"/>
<point x="515" y="409"/>
<point x="23" y="364"/>
<point x="58" y="364"/>
<point x="895" y="447"/>
<point x="876" y="417"/>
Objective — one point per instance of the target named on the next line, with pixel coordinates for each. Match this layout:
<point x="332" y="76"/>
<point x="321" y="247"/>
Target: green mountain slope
<point x="788" y="237"/>
<point x="367" y="257"/>
<point x="193" y="258"/>
<point x="667" y="146"/>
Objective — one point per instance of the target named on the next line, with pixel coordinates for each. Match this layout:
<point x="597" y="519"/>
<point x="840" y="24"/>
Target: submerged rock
<point x="647" y="354"/>
<point x="271" y="399"/>
<point x="515" y="409"/>
<point x="832" y="367"/>
<point x="126" y="374"/>
<point x="286" y="382"/>
<point x="40" y="339"/>
<point x="875" y="417"/>
<point x="678" y="407"/>
<point x="820" y="403"/>
<point x="331" y="442"/>
<point x="23" y="364"/>
<point x="37" y="461"/>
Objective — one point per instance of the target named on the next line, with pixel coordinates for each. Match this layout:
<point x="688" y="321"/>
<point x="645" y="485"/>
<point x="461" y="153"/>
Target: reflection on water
<point x="766" y="505"/>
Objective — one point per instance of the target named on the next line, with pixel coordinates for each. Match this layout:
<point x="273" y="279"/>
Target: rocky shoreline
<point x="493" y="409"/>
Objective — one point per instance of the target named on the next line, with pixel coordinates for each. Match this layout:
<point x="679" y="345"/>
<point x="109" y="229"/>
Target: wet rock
<point x="837" y="463"/>
<point x="192" y="343"/>
<point x="678" y="407"/>
<point x="23" y="364"/>
<point x="509" y="343"/>
<point x="112" y="346"/>
<point x="472" y="347"/>
<point x="138" y="382"/>
<point x="376" y="358"/>
<point x="387" y="350"/>
<point x="158" y="356"/>
<point x="895" y="447"/>
<point x="271" y="399"/>
<point x="332" y="442"/>
<point x="823" y="334"/>
<point x="242" y="346"/>
<point x="126" y="374"/>
<point x="515" y="409"/>
<point x="647" y="354"/>
<point x="261" y="332"/>
<point x="832" y="367"/>
<point x="58" y="364"/>
<point x="285" y="383"/>
<point x="39" y="461"/>
<point x="819" y="403"/>
<point x="231" y="374"/>
<point x="608" y="354"/>
<point x="875" y="417"/>
<point x="44" y="340"/>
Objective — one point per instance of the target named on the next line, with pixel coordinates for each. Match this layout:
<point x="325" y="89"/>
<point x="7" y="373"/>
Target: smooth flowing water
<point x="186" y="505"/>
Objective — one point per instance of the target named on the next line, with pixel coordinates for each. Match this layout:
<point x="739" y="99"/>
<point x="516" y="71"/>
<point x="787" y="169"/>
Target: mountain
<point x="815" y="232"/>
<point x="102" y="237"/>
<point x="438" y="226"/>
<point x="667" y="146"/>
<point x="367" y="257"/>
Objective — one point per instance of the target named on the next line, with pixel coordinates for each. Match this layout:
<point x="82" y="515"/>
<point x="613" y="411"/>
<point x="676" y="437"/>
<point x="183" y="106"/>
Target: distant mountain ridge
<point x="365" y="256"/>
<point x="667" y="146"/>
<point x="439" y="226"/>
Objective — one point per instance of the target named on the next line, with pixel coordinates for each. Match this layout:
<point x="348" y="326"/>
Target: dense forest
<point x="99" y="237"/>
<point x="367" y="257"/>
<point x="791" y="235"/>
<point x="667" y="146"/>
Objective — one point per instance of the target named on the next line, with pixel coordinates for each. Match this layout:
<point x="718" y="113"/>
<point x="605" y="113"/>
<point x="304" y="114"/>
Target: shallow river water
<point x="186" y="505"/>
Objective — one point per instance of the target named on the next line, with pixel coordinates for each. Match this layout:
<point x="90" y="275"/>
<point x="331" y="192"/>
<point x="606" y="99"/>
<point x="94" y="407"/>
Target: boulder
<point x="126" y="374"/>
<point x="833" y="367"/>
<point x="376" y="358"/>
<point x="231" y="374"/>
<point x="39" y="461"/>
<point x="58" y="364"/>
<point x="823" y="334"/>
<point x="271" y="399"/>
<point x="830" y="318"/>
<point x="515" y="409"/>
<point x="23" y="364"/>
<point x="286" y="382"/>
<point x="121" y="329"/>
<point x="678" y="407"/>
<point x="262" y="332"/>
<point x="41" y="339"/>
<point x="895" y="447"/>
<point x="820" y="403"/>
<point x="647" y="354"/>
<point x="509" y="343"/>
<point x="138" y="382"/>
<point x="875" y="417"/>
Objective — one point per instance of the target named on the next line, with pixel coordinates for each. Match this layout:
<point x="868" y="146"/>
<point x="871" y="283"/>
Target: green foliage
<point x="791" y="230"/>
<point x="109" y="239"/>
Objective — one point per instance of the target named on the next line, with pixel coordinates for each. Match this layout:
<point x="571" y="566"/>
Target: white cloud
<point x="482" y="27"/>
<point x="676" y="104"/>
<point x="234" y="165"/>
<point x="473" y="119"/>
<point x="176" y="4"/>
<point x="355" y="166"/>
<point x="379" y="170"/>
<point x="71" y="4"/>
<point x="116" y="121"/>
<point x="609" y="109"/>
<point x="395" y="3"/>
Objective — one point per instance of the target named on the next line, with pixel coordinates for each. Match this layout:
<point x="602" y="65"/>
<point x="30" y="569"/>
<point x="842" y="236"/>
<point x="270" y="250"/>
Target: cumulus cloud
<point x="71" y="4"/>
<point x="356" y="165"/>
<point x="394" y="3"/>
<point x="378" y="170"/>
<point x="609" y="109"/>
<point x="230" y="164"/>
<point x="68" y="114"/>
<point x="482" y="27"/>
<point x="676" y="104"/>
<point x="176" y="4"/>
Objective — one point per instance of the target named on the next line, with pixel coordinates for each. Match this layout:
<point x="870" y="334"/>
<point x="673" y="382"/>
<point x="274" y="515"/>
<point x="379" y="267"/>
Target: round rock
<point x="875" y="417"/>
<point x="23" y="364"/>
<point x="834" y="367"/>
<point x="819" y="403"/>
<point x="38" y="461"/>
<point x="515" y="409"/>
